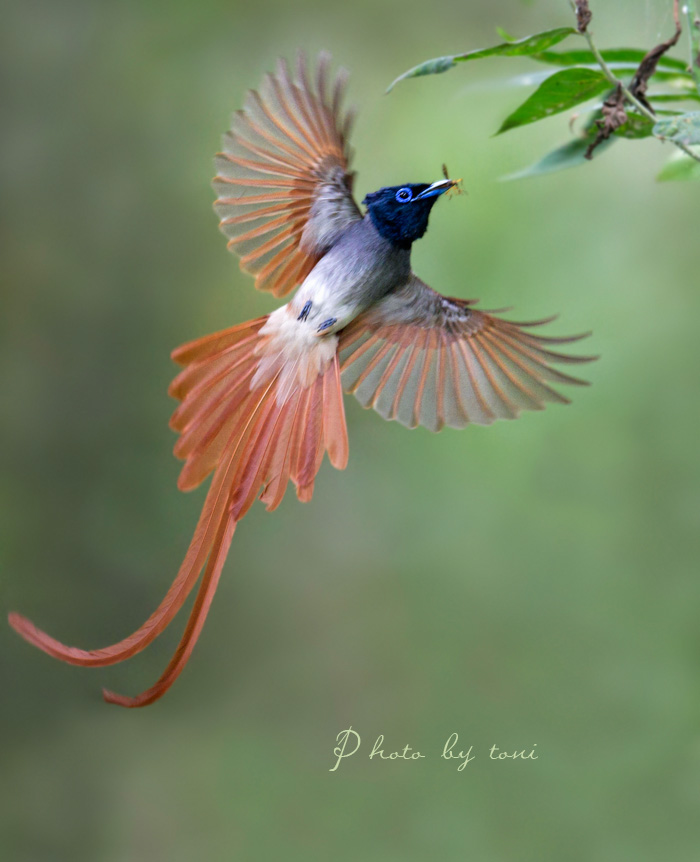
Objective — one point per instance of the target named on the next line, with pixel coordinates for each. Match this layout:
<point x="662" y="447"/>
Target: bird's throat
<point x="389" y="230"/>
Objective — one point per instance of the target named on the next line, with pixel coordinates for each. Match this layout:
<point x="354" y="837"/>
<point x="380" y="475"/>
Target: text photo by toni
<point x="349" y="744"/>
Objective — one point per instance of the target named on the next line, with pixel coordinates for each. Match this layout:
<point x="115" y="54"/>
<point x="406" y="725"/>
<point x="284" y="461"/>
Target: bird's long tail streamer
<point x="253" y="430"/>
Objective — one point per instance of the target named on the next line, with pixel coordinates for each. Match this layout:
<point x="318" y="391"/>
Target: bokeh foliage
<point x="628" y="111"/>
<point x="532" y="582"/>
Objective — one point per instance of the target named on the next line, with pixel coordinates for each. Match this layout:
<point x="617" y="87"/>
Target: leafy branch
<point x="641" y="91"/>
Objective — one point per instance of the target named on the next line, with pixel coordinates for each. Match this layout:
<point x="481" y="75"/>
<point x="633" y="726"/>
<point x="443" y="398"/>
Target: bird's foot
<point x="305" y="310"/>
<point x="327" y="324"/>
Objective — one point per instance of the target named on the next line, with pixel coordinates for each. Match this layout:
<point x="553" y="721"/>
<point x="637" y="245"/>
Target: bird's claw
<point x="327" y="324"/>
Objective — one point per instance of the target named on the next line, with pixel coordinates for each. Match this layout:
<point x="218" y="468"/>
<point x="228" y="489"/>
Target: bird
<point x="262" y="402"/>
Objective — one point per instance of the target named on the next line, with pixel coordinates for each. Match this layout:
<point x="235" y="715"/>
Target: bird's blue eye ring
<point x="403" y="196"/>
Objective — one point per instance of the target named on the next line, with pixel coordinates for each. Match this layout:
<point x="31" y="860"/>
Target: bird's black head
<point x="400" y="213"/>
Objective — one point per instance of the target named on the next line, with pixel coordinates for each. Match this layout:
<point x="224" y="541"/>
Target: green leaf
<point x="430" y="67"/>
<point x="504" y="35"/>
<point x="631" y="56"/>
<point x="637" y="126"/>
<point x="568" y="156"/>
<point x="684" y="83"/>
<point x="679" y="167"/>
<point x="682" y="129"/>
<point x="521" y="47"/>
<point x="673" y="97"/>
<point x="670" y="77"/>
<point x="561" y="91"/>
<point x="624" y="62"/>
<point x="674" y="79"/>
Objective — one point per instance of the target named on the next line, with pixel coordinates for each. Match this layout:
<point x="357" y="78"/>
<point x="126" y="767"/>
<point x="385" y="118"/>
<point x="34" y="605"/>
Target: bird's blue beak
<point x="438" y="188"/>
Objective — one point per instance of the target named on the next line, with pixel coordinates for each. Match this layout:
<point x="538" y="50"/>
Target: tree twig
<point x="614" y="116"/>
<point x="647" y="67"/>
<point x="583" y="15"/>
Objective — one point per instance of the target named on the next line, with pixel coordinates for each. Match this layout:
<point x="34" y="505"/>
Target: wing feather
<point x="426" y="359"/>
<point x="283" y="180"/>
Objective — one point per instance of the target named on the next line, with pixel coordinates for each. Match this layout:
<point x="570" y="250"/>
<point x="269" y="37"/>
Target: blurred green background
<point x="535" y="582"/>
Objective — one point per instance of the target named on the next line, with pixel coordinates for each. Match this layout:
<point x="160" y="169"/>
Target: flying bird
<point x="262" y="402"/>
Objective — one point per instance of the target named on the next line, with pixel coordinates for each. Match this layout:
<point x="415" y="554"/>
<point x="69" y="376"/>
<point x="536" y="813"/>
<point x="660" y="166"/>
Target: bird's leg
<point x="305" y="310"/>
<point x="327" y="324"/>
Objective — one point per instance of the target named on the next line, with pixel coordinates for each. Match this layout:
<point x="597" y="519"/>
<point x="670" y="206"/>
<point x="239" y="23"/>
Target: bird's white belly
<point x="328" y="302"/>
<point x="342" y="286"/>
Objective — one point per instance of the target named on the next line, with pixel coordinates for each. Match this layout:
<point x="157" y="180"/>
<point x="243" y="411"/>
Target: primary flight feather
<point x="261" y="402"/>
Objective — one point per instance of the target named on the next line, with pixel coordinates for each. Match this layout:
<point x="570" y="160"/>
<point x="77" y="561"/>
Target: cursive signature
<point x="348" y="743"/>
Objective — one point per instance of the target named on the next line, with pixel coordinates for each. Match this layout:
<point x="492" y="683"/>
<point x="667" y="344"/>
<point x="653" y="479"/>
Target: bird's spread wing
<point x="283" y="184"/>
<point x="426" y="359"/>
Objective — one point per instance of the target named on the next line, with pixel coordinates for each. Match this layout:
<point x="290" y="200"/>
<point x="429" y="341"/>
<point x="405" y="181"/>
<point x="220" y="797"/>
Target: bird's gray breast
<point x="358" y="270"/>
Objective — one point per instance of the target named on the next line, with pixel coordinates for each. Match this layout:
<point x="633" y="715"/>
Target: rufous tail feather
<point x="259" y="410"/>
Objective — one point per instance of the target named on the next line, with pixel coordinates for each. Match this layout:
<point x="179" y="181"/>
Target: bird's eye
<point x="403" y="195"/>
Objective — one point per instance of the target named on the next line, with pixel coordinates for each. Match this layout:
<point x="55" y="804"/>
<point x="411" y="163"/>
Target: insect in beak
<point x="457" y="186"/>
